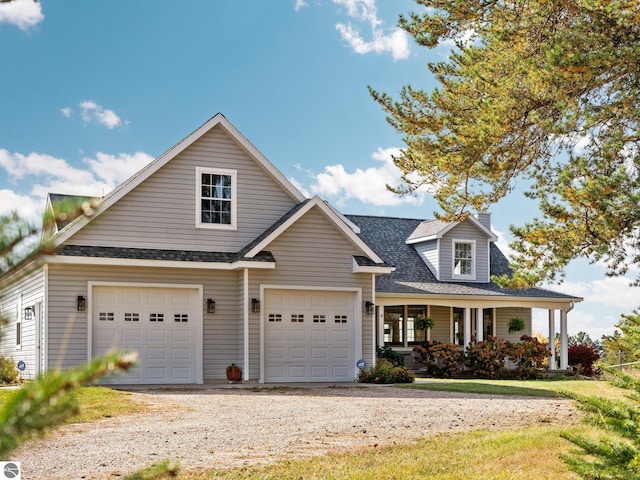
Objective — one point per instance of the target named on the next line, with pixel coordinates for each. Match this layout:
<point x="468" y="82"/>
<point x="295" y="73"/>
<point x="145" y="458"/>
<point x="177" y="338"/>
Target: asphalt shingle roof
<point x="387" y="236"/>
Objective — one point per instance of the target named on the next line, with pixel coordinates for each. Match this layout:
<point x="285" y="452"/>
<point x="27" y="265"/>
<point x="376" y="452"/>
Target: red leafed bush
<point x="440" y="359"/>
<point x="583" y="356"/>
<point x="486" y="359"/>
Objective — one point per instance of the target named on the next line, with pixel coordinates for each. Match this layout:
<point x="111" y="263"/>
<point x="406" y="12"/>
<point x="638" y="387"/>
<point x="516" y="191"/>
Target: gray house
<point x="209" y="256"/>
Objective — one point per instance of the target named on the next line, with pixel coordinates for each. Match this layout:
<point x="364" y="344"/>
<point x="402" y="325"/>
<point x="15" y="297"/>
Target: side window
<point x="216" y="198"/>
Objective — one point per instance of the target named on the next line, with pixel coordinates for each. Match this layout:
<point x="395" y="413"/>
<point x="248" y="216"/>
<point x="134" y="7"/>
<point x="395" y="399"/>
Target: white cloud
<point x="66" y="111"/>
<point x="92" y="111"/>
<point x="22" y="13"/>
<point x="394" y="42"/>
<point x="300" y="4"/>
<point x="115" y="169"/>
<point x="367" y="186"/>
<point x="26" y="206"/>
<point x="609" y="291"/>
<point x="47" y="174"/>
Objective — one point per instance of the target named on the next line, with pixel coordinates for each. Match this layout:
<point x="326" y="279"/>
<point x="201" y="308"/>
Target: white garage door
<point x="309" y="336"/>
<point x="161" y="324"/>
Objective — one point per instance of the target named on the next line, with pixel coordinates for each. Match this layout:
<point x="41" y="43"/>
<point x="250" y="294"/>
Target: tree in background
<point x="538" y="93"/>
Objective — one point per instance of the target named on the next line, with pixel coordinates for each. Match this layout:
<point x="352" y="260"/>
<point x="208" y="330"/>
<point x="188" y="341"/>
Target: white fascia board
<point x="422" y="239"/>
<point x="131" y="183"/>
<point x="371" y="268"/>
<point x="126" y="262"/>
<point x="316" y="202"/>
<point x="479" y="301"/>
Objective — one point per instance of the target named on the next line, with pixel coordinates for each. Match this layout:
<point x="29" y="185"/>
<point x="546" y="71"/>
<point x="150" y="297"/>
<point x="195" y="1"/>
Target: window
<point x="394" y="326"/>
<point x="180" y="317"/>
<point x="458" y="326"/>
<point x="487" y="323"/>
<point x="297" y="318"/>
<point x="216" y="198"/>
<point x="463" y="260"/>
<point x="415" y="336"/>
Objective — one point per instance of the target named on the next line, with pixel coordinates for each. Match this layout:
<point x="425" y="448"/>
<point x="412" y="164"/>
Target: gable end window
<point x="464" y="260"/>
<point x="216" y="198"/>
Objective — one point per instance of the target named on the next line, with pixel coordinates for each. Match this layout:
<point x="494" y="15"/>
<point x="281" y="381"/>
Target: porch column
<point x="479" y="325"/>
<point x="552" y="338"/>
<point x="564" y="344"/>
<point x="381" y="326"/>
<point x="467" y="326"/>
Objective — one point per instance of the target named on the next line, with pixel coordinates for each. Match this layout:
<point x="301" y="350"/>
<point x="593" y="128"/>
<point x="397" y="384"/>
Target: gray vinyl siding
<point x="466" y="232"/>
<point x="428" y="252"/>
<point x="503" y="315"/>
<point x="161" y="211"/>
<point x="31" y="291"/>
<point x="313" y="253"/>
<point x="68" y="328"/>
<point x="441" y="331"/>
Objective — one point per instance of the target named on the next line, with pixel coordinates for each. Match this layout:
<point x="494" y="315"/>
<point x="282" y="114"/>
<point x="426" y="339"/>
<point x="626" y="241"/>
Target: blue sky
<point x="92" y="91"/>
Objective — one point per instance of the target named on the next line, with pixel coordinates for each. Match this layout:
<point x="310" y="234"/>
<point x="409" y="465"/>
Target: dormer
<point x="456" y="251"/>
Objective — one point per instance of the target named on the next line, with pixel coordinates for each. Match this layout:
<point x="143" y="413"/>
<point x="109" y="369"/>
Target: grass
<point x="533" y="388"/>
<point x="96" y="403"/>
<point x="530" y="452"/>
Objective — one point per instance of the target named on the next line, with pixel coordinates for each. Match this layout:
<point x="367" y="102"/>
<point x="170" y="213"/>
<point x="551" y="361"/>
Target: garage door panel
<point x="313" y="325"/>
<point x="181" y="354"/>
<point x="143" y="319"/>
<point x="320" y="373"/>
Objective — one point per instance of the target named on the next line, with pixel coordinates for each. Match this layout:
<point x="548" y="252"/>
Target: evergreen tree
<point x="540" y="91"/>
<point x="618" y="455"/>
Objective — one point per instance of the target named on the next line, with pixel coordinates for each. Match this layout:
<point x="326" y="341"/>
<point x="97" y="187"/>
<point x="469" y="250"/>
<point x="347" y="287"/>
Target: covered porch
<point x="459" y="319"/>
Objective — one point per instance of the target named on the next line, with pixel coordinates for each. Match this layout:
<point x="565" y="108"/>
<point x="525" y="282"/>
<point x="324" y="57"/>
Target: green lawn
<point x="96" y="403"/>
<point x="534" y="388"/>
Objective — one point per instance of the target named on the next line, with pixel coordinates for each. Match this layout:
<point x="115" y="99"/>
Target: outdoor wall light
<point x="368" y="307"/>
<point x="211" y="305"/>
<point x="255" y="305"/>
<point x="29" y="312"/>
<point x="81" y="303"/>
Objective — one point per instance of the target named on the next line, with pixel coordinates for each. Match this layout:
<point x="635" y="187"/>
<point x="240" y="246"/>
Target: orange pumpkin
<point x="234" y="373"/>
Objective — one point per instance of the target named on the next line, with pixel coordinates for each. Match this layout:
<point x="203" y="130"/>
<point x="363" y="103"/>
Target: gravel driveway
<point x="220" y="427"/>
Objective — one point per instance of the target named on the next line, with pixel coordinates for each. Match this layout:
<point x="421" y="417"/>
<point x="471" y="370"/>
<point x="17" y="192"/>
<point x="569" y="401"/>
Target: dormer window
<point x="216" y="198"/>
<point x="464" y="260"/>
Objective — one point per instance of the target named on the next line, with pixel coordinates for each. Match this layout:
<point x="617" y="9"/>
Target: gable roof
<point x="55" y="203"/>
<point x="262" y="242"/>
<point x="388" y="236"/>
<point x="434" y="229"/>
<point x="128" y="185"/>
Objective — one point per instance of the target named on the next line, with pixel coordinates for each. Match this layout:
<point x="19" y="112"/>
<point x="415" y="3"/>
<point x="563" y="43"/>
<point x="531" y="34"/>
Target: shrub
<point x="583" y="356"/>
<point x="8" y="371"/>
<point x="487" y="359"/>
<point x="391" y="355"/>
<point x="386" y="372"/>
<point x="440" y="359"/>
<point x="529" y="356"/>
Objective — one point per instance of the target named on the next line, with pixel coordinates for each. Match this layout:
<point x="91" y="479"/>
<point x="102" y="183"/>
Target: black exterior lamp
<point x="255" y="305"/>
<point x="81" y="303"/>
<point x="368" y="307"/>
<point x="211" y="305"/>
<point x="29" y="312"/>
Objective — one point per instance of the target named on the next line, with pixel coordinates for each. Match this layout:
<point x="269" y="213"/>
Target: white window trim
<point x="455" y="276"/>
<point x="234" y="198"/>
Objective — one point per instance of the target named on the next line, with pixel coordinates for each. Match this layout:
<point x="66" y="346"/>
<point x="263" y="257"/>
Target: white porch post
<point x="467" y="326"/>
<point x="479" y="325"/>
<point x="381" y="326"/>
<point x="564" y="344"/>
<point x="552" y="338"/>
